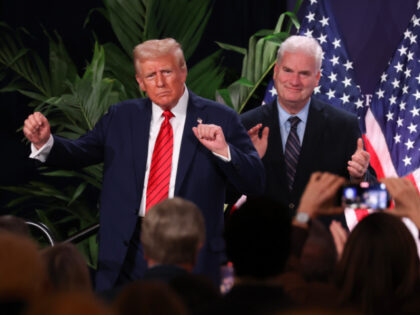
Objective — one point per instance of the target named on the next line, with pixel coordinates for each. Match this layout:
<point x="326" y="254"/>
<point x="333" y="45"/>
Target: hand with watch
<point x="318" y="198"/>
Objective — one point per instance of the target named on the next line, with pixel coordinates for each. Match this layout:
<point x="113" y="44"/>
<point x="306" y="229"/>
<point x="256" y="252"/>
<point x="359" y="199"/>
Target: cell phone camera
<point x="365" y="196"/>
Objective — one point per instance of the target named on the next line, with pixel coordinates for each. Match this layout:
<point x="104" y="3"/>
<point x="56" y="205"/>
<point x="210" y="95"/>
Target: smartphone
<point x="365" y="196"/>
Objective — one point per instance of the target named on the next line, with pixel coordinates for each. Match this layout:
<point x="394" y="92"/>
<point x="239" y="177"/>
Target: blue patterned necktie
<point x="292" y="150"/>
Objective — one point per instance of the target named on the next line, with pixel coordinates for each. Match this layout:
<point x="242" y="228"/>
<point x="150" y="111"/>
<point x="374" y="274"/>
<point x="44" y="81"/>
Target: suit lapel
<point x="274" y="155"/>
<point x="310" y="146"/>
<point x="189" y="142"/>
<point x="140" y="141"/>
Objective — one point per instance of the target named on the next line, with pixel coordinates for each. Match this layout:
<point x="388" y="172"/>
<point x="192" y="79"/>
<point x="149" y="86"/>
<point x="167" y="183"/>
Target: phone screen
<point x="365" y="196"/>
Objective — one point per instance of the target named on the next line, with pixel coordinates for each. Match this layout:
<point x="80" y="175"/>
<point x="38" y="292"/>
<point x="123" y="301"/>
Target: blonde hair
<point x="155" y="48"/>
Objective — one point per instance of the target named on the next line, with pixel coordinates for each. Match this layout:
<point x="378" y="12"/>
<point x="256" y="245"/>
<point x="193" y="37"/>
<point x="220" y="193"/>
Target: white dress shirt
<point x="285" y="124"/>
<point x="177" y="123"/>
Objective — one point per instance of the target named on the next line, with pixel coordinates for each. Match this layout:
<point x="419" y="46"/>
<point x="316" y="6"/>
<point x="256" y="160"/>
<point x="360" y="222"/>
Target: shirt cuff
<point x="223" y="158"/>
<point x="43" y="152"/>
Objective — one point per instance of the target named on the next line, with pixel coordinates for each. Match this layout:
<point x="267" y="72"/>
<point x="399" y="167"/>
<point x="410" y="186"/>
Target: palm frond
<point x="258" y="61"/>
<point x="206" y="76"/>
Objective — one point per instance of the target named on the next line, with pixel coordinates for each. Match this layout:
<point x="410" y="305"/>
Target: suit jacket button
<point x="291" y="205"/>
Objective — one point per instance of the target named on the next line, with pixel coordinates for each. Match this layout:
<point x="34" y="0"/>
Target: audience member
<point x="69" y="303"/>
<point x="406" y="198"/>
<point x="257" y="243"/>
<point x="318" y="256"/>
<point x="66" y="268"/>
<point x="340" y="235"/>
<point x="148" y="297"/>
<point x="379" y="269"/>
<point x="22" y="272"/>
<point x="172" y="234"/>
<point x="14" y="224"/>
<point x="307" y="279"/>
<point x="382" y="276"/>
<point x="196" y="291"/>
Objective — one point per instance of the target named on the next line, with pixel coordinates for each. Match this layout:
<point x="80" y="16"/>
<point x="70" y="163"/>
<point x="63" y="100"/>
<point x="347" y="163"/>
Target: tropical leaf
<point x="258" y="61"/>
<point x="135" y="21"/>
<point x="128" y="21"/>
<point x="22" y="61"/>
<point x="184" y="20"/>
<point x="206" y="76"/>
<point x="120" y="66"/>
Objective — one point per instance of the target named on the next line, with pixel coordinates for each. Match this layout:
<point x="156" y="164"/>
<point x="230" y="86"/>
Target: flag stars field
<point x="407" y="160"/>
<point x="415" y="112"/>
<point x="324" y="21"/>
<point x="396" y="83"/>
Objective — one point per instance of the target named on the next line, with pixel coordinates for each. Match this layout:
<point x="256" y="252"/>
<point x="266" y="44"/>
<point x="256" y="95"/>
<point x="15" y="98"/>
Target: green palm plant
<point x="136" y="21"/>
<point x="74" y="103"/>
<point x="258" y="61"/>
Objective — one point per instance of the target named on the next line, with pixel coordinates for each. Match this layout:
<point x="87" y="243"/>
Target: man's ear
<point x="140" y="82"/>
<point x="184" y="74"/>
<point x="318" y="76"/>
<point x="276" y="68"/>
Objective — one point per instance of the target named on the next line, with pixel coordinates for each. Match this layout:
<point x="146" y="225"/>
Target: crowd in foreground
<point x="280" y="266"/>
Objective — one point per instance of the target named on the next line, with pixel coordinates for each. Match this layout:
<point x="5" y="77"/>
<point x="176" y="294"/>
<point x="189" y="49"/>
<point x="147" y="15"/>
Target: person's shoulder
<point x="134" y="102"/>
<point x="129" y="105"/>
<point x="333" y="111"/>
<point x="261" y="113"/>
<point x="210" y="104"/>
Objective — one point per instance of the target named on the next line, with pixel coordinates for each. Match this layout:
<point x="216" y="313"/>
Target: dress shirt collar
<point x="284" y="116"/>
<point x="179" y="110"/>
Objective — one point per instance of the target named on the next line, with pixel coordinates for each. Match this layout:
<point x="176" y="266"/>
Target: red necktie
<point x="160" y="168"/>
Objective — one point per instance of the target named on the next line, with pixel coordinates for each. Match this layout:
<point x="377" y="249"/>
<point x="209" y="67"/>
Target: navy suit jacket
<point x="120" y="139"/>
<point x="329" y="141"/>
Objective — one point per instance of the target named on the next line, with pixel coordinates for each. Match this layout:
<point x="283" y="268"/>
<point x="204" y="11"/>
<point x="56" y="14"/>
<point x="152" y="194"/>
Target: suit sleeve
<point x="245" y="171"/>
<point x="84" y="151"/>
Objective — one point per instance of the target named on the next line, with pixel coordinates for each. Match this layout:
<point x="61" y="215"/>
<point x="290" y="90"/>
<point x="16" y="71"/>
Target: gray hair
<point x="306" y="45"/>
<point x="157" y="48"/>
<point x="173" y="231"/>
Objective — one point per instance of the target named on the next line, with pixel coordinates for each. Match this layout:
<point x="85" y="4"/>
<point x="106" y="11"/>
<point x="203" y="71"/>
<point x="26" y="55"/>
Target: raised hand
<point x="340" y="236"/>
<point x="406" y="198"/>
<point x="37" y="129"/>
<point x="359" y="162"/>
<point x="260" y="144"/>
<point x="212" y="137"/>
<point x="319" y="195"/>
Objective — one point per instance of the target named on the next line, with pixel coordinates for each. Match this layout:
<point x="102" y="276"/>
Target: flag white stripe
<point x="377" y="140"/>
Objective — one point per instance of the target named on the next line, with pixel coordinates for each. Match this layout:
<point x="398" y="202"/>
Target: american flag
<point x="390" y="122"/>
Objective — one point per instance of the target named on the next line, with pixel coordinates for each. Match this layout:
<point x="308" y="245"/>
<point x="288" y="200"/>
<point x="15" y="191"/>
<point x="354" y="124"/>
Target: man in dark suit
<point x="208" y="148"/>
<point x="328" y="138"/>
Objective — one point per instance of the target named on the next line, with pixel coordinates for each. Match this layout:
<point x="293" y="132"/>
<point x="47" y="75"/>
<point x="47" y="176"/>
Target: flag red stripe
<point x="374" y="160"/>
